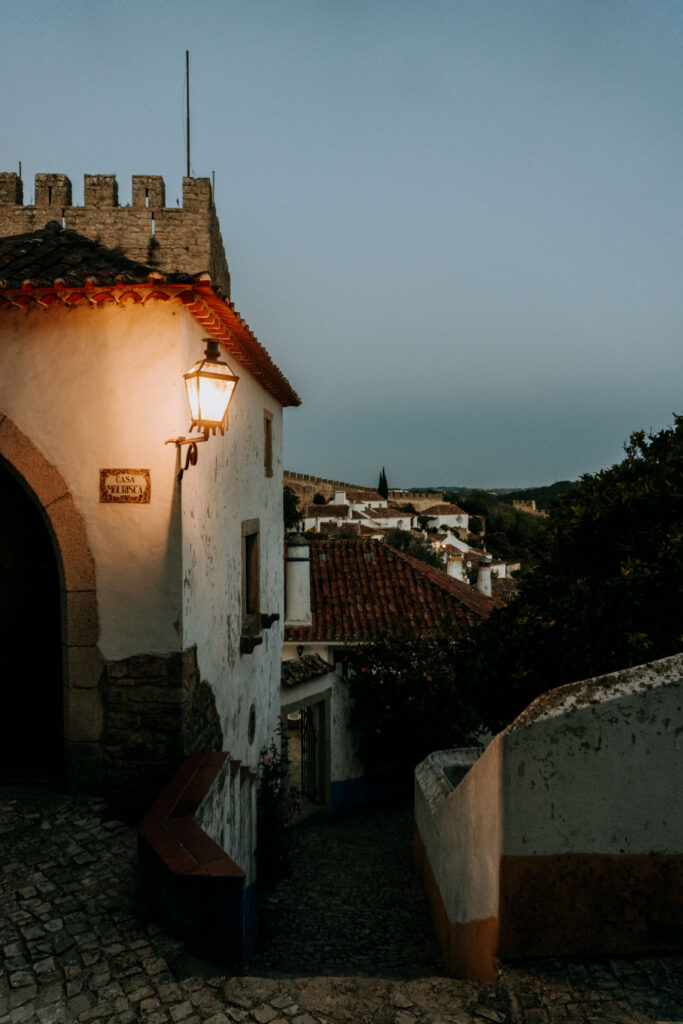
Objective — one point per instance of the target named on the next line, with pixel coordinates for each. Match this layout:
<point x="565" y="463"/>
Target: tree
<point x="290" y="507"/>
<point x="383" y="486"/>
<point x="319" y="499"/>
<point x="606" y="591"/>
<point x="510" y="534"/>
<point x="403" y="540"/>
<point x="408" y="700"/>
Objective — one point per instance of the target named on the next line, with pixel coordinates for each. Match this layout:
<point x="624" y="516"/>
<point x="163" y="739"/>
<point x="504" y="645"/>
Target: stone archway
<point x="81" y="660"/>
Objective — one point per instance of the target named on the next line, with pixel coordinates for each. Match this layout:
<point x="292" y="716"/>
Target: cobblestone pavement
<point x="346" y="940"/>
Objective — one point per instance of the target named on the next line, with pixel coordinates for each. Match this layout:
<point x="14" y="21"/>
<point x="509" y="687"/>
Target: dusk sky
<point x="457" y="226"/>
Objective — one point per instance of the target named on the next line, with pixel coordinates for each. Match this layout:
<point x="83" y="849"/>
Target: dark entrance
<point x="309" y="755"/>
<point x="31" y="719"/>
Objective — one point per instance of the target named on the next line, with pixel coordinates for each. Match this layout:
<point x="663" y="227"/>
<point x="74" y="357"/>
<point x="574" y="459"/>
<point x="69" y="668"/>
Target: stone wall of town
<point x="186" y="238"/>
<point x="306" y="486"/>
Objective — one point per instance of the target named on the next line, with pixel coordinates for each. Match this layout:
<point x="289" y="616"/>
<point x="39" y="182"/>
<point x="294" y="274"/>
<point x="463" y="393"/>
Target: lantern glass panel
<point x="210" y="386"/>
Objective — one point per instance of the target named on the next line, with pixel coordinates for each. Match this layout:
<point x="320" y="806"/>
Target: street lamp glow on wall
<point x="210" y="385"/>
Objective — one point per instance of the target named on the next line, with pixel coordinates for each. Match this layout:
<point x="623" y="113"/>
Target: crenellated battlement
<point x="185" y="239"/>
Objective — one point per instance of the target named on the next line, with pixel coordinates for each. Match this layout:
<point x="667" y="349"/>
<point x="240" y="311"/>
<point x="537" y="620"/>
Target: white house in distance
<point x="352" y="510"/>
<point x="445" y="515"/>
<point x="143" y="612"/>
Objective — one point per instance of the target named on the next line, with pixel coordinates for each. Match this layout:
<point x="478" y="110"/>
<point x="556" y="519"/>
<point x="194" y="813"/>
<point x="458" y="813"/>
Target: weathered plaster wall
<point x="226" y="488"/>
<point x="567" y="834"/>
<point x="601" y="769"/>
<point x="102" y="388"/>
<point x="228" y="815"/>
<point x="458" y="843"/>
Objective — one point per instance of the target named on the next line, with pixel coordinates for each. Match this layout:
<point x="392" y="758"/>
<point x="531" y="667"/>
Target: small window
<point x="267" y="442"/>
<point x="251" y="619"/>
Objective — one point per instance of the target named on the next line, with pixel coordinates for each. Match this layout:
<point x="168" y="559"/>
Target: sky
<point x="456" y="225"/>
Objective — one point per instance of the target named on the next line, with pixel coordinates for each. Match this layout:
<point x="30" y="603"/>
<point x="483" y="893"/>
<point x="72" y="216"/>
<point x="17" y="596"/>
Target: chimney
<point x="298" y="588"/>
<point x="454" y="567"/>
<point x="484" y="580"/>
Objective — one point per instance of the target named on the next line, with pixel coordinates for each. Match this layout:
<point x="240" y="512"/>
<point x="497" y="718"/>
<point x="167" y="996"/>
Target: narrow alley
<point x="346" y="939"/>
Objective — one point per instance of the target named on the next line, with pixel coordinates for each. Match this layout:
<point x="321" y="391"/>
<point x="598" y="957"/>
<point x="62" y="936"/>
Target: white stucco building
<point x="156" y="603"/>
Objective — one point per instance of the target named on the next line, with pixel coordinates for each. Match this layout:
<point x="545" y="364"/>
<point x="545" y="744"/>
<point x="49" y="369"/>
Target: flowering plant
<point x="275" y="803"/>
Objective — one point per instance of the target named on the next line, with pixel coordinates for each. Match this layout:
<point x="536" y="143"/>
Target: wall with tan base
<point x="566" y="836"/>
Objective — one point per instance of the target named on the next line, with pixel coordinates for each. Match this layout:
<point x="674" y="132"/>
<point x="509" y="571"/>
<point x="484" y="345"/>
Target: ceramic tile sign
<point x="125" y="485"/>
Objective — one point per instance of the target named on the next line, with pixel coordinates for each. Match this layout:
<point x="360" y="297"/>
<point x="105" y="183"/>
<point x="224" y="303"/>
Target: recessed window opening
<point x="153" y="226"/>
<point x="49" y="195"/>
<point x="267" y="442"/>
<point x="251" y="571"/>
<point x="146" y="197"/>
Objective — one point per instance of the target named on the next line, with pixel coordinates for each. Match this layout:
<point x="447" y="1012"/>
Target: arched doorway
<point x="32" y="715"/>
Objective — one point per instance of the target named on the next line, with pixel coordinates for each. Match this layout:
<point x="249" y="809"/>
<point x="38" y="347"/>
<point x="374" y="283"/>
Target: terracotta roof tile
<point x="300" y="670"/>
<point x="357" y="494"/>
<point x="444" y="509"/>
<point x="53" y="254"/>
<point x="364" y="588"/>
<point x="327" y="511"/>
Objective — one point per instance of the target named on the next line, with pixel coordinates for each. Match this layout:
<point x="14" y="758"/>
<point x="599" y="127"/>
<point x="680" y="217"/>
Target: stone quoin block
<point x="83" y="667"/>
<point x="69" y="529"/>
<point x="81" y="618"/>
<point x="83" y="715"/>
<point x="46" y="482"/>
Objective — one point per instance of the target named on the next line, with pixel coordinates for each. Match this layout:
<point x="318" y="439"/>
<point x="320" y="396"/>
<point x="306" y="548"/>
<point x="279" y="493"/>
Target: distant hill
<point x="543" y="496"/>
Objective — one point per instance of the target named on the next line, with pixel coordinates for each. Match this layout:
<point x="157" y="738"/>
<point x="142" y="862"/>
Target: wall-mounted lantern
<point x="210" y="385"/>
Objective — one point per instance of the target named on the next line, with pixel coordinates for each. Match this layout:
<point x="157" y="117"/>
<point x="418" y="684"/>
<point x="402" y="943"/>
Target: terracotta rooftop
<point x="327" y="511"/>
<point x="361" y="494"/>
<point x="300" y="670"/>
<point x="385" y="513"/>
<point x="56" y="266"/>
<point x="444" y="509"/>
<point x="364" y="588"/>
<point x="42" y="258"/>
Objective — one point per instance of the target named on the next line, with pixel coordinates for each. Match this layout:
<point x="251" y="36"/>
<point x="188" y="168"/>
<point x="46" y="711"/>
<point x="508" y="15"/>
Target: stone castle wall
<point x="306" y="486"/>
<point x="185" y="239"/>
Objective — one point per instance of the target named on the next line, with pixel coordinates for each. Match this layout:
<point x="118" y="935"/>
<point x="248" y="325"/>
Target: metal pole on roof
<point x="187" y="80"/>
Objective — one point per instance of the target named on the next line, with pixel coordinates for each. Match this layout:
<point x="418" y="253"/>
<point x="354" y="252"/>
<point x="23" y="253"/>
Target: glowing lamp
<point x="210" y="385"/>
